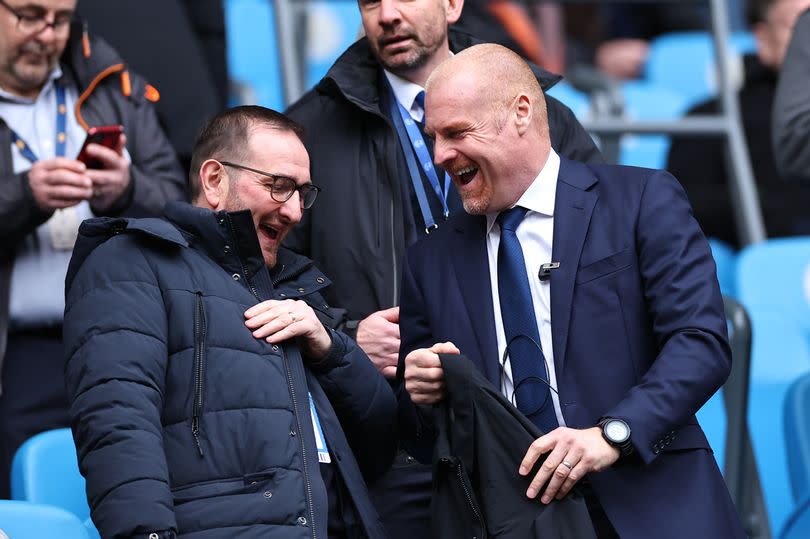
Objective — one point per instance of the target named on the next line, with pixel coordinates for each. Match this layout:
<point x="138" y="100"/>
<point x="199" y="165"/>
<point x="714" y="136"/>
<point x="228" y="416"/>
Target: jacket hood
<point x="355" y="73"/>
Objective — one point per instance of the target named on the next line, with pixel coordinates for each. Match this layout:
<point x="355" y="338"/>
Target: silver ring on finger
<point x="567" y="464"/>
<point x="293" y="319"/>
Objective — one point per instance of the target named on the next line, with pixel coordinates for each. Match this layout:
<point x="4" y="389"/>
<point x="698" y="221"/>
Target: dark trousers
<point x="601" y="524"/>
<point x="34" y="397"/>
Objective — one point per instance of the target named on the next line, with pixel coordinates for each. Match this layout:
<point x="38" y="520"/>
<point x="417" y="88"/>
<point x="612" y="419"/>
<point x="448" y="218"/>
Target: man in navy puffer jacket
<point x="209" y="398"/>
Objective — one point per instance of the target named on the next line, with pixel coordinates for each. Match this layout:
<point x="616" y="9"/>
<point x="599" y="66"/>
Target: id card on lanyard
<point x="320" y="441"/>
<point x="413" y="146"/>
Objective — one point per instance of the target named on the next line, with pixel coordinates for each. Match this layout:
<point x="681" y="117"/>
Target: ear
<point x="214" y="184"/>
<point x="453" y="10"/>
<point x="523" y="113"/>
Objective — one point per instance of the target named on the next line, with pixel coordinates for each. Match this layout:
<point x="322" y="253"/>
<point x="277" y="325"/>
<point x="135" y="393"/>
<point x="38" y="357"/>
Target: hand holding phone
<point x="105" y="135"/>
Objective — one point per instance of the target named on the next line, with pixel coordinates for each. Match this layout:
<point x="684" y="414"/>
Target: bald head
<point x="497" y="75"/>
<point x="487" y="115"/>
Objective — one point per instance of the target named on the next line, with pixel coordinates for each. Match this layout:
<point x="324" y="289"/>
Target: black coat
<point x="481" y="439"/>
<point x="184" y="421"/>
<point x="699" y="163"/>
<point x="358" y="231"/>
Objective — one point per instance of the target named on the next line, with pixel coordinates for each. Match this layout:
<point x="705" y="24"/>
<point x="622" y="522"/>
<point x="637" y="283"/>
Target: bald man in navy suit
<point x="622" y="309"/>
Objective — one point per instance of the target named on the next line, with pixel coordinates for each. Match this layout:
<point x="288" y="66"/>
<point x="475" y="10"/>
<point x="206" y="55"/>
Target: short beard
<point x="418" y="59"/>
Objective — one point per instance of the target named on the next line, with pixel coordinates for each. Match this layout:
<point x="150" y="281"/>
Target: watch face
<point x="617" y="431"/>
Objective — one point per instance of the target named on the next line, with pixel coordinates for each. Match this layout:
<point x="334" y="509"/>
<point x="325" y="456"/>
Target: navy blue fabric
<point x="526" y="358"/>
<point x="156" y="345"/>
<point x="638" y="333"/>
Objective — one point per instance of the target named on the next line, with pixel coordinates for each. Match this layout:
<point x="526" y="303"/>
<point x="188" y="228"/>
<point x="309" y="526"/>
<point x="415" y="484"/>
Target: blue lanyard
<point x="408" y="132"/>
<point x="61" y="124"/>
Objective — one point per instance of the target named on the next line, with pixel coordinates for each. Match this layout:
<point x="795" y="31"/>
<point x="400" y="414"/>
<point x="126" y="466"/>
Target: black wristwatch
<point x="617" y="433"/>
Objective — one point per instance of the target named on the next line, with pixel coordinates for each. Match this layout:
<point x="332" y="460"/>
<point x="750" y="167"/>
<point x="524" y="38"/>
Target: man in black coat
<point x="700" y="163"/>
<point x="377" y="200"/>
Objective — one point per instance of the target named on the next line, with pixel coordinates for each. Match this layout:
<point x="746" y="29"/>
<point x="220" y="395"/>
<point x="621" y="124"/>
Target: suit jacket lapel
<point x="471" y="267"/>
<point x="573" y="208"/>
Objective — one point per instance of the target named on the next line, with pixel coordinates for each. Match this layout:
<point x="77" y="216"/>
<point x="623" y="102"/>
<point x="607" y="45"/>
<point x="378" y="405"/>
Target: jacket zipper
<point x="470" y="500"/>
<point x="199" y="369"/>
<point x="307" y="481"/>
<point x="241" y="263"/>
<point x="394" y="260"/>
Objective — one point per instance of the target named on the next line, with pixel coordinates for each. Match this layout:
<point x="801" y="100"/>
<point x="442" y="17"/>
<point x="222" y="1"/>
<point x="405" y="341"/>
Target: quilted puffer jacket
<point x="184" y="423"/>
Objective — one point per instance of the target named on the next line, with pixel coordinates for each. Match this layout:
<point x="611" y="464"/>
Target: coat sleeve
<point x="791" y="108"/>
<point x="115" y="337"/>
<point x="686" y="312"/>
<point x="568" y="137"/>
<point x="363" y="401"/>
<point x="415" y="427"/>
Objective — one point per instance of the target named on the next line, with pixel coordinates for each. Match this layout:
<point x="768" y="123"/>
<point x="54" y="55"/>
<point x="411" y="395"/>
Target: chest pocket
<point x="605" y="266"/>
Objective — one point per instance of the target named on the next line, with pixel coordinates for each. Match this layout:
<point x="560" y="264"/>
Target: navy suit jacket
<point x="638" y="331"/>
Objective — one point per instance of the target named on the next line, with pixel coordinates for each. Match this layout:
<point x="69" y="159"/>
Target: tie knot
<point x="420" y="99"/>
<point x="510" y="219"/>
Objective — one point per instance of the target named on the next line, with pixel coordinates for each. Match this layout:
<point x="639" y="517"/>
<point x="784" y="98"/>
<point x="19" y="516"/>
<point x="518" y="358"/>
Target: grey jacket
<point x="791" y="108"/>
<point x="155" y="173"/>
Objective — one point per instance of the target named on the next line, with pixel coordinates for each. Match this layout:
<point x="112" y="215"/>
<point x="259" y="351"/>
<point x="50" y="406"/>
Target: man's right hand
<point x="59" y="183"/>
<point x="378" y="336"/>
<point x="424" y="377"/>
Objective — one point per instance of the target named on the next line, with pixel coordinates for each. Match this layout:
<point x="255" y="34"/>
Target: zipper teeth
<point x="470" y="500"/>
<point x="199" y="362"/>
<point x="307" y="482"/>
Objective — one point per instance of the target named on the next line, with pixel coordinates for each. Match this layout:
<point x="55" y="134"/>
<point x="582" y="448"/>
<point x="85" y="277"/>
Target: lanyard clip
<point x="431" y="228"/>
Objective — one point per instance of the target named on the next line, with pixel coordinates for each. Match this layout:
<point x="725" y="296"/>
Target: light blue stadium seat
<point x="332" y="27"/>
<point x="646" y="101"/>
<point x="776" y="274"/>
<point x="797" y="525"/>
<point x="575" y="100"/>
<point x="684" y="62"/>
<point x="253" y="58"/>
<point x="26" y="520"/>
<point x="45" y="471"/>
<point x="725" y="257"/>
<point x="797" y="436"/>
<point x="773" y="282"/>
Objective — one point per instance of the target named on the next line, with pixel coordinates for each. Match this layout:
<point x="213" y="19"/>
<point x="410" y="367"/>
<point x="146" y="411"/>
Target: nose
<point x="293" y="209"/>
<point x="443" y="152"/>
<point x="389" y="12"/>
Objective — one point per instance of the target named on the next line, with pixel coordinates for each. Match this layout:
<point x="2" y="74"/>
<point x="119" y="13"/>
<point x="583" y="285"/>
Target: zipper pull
<point x="85" y="40"/>
<point x="126" y="84"/>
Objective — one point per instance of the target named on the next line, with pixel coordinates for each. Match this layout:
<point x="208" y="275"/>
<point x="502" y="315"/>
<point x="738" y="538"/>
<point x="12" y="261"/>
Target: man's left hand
<point x="572" y="454"/>
<point x="110" y="181"/>
<point x="277" y="321"/>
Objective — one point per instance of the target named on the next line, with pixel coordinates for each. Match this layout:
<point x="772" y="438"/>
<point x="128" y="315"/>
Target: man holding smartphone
<point x="55" y="85"/>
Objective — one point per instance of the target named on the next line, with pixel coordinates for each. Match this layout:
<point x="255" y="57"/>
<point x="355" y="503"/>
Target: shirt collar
<point x="55" y="75"/>
<point x="540" y="195"/>
<point x="405" y="92"/>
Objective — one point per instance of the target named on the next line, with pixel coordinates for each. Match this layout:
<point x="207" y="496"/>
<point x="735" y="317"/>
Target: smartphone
<point x="106" y="135"/>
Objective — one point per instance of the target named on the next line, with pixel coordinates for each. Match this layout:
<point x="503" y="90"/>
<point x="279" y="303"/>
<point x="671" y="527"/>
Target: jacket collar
<point x="357" y="75"/>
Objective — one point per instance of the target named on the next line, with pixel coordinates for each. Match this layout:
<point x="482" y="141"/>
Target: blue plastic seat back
<point x="25" y="520"/>
<point x="648" y="101"/>
<point x="577" y="101"/>
<point x="253" y="57"/>
<point x="725" y="258"/>
<point x="45" y="471"/>
<point x="684" y="62"/>
<point x="779" y="355"/>
<point x="797" y="436"/>
<point x="798" y="524"/>
<point x="776" y="274"/>
<point x="331" y="28"/>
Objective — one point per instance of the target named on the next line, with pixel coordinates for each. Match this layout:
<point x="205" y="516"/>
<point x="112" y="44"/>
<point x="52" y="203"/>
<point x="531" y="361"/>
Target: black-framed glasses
<point x="31" y="20"/>
<point x="282" y="188"/>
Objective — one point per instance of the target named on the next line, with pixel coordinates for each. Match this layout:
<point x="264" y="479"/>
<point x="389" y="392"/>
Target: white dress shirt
<point x="535" y="233"/>
<point x="406" y="91"/>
